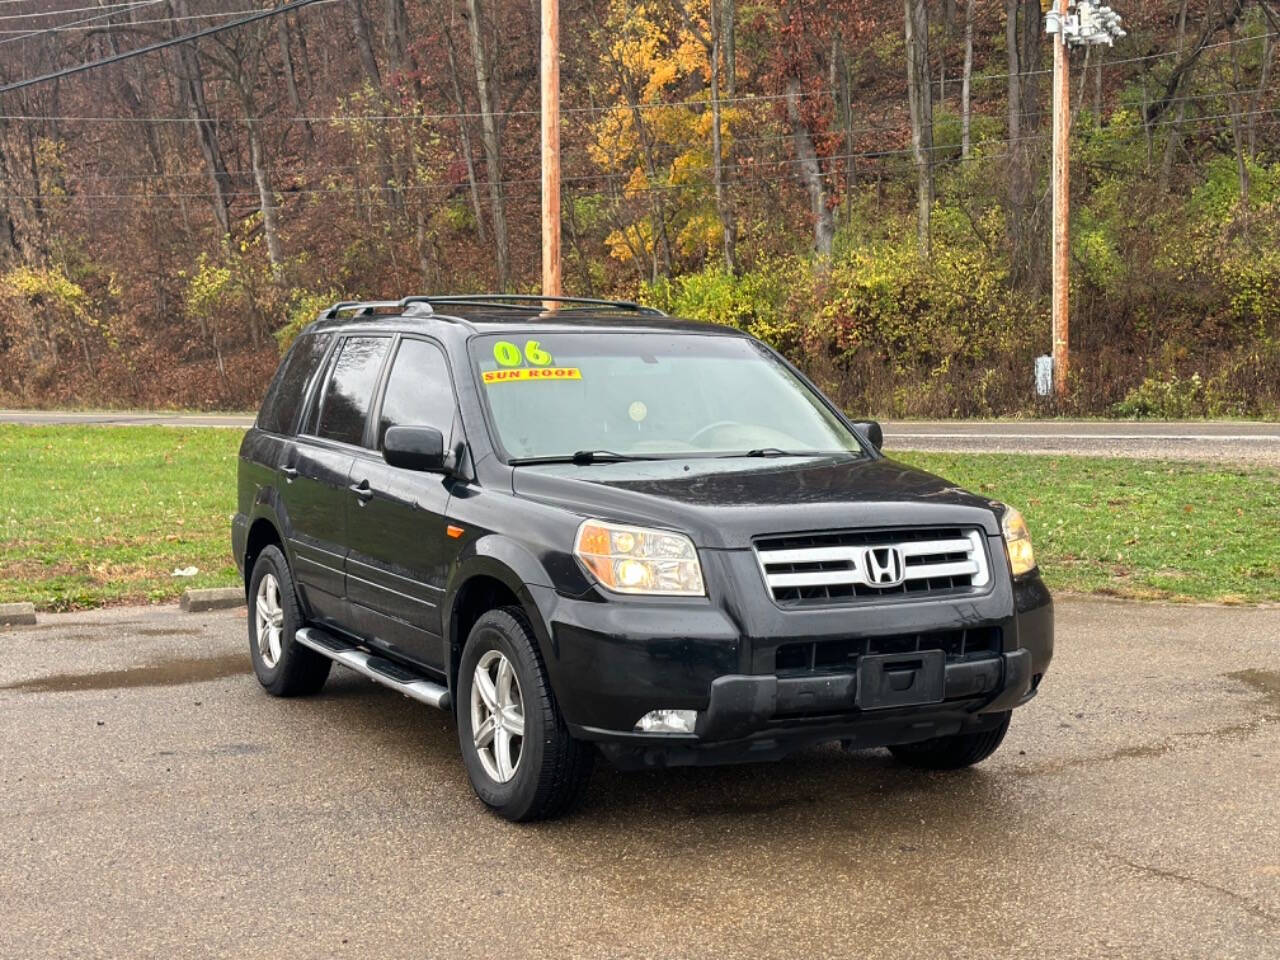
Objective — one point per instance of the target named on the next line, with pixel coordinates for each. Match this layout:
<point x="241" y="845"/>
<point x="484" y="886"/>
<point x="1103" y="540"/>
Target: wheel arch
<point x="493" y="575"/>
<point x="262" y="534"/>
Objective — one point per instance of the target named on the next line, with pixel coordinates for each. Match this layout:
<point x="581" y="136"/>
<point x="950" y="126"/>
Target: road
<point x="1235" y="441"/>
<point x="156" y="803"/>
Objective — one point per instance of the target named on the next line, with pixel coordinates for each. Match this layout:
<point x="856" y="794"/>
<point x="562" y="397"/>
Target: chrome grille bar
<point x="846" y="567"/>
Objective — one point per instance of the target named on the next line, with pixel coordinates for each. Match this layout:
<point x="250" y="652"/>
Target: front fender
<point x="521" y="572"/>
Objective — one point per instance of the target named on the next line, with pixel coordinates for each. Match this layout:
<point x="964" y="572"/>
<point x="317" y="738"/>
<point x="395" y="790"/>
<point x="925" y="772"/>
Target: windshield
<point x="634" y="395"/>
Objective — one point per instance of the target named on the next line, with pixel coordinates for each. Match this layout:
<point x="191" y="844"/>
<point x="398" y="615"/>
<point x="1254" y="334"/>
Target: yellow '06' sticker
<point x="532" y="373"/>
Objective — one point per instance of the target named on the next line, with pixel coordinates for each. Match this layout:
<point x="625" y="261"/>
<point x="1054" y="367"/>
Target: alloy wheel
<point x="269" y="615"/>
<point x="497" y="716"/>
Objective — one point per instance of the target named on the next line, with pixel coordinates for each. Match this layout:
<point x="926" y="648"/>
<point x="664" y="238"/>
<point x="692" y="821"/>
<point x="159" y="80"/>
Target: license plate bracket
<point x="900" y="679"/>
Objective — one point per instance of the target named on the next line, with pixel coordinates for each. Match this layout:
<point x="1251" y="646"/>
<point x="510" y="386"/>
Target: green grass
<point x="1145" y="529"/>
<point x="97" y="515"/>
<point x="100" y="515"/>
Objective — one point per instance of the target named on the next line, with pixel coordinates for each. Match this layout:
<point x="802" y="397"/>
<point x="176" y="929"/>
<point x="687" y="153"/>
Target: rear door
<point x="400" y="551"/>
<point x="317" y="469"/>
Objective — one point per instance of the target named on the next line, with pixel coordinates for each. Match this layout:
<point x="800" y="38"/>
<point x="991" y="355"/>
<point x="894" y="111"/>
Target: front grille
<point x="866" y="564"/>
<point x="841" y="656"/>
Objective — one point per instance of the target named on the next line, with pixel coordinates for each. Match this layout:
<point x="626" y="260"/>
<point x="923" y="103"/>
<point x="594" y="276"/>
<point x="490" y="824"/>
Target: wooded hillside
<point x="862" y="183"/>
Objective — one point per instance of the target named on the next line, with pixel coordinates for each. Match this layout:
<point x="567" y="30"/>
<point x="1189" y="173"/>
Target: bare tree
<point x="192" y="94"/>
<point x="464" y="133"/>
<point x="919" y="95"/>
<point x="491" y="138"/>
<point x="1022" y="39"/>
<point x="824" y="226"/>
<point x="965" y="80"/>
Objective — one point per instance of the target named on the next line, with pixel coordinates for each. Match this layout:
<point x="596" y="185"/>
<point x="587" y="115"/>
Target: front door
<point x="400" y="550"/>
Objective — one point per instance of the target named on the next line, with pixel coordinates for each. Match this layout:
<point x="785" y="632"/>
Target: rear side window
<point x="419" y="391"/>
<point x="289" y="386"/>
<point x="354" y="374"/>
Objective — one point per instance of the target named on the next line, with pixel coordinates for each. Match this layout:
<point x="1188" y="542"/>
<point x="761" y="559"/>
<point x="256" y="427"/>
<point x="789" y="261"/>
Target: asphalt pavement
<point x="1247" y="442"/>
<point x="155" y="802"/>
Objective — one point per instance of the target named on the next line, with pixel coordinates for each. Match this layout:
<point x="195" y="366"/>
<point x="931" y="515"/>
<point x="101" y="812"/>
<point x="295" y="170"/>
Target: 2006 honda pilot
<point x="594" y="528"/>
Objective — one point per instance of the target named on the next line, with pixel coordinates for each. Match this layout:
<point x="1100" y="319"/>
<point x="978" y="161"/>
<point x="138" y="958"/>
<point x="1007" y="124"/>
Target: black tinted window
<point x="350" y="392"/>
<point x="289" y="387"/>
<point x="419" y="392"/>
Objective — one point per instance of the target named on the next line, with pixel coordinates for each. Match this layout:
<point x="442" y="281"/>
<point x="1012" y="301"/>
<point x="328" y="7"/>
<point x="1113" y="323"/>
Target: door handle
<point x="362" y="490"/>
<point x="289" y="473"/>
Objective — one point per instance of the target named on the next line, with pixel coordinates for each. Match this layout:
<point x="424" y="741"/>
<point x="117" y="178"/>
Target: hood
<point x="725" y="503"/>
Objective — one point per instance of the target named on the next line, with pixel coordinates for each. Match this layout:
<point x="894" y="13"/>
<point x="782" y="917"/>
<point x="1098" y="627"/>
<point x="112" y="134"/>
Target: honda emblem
<point x="884" y="566"/>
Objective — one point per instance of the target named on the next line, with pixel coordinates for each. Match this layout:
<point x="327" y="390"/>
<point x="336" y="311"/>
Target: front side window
<point x="289" y="388"/>
<point x="419" y="391"/>
<point x="349" y="394"/>
<point x="650" y="395"/>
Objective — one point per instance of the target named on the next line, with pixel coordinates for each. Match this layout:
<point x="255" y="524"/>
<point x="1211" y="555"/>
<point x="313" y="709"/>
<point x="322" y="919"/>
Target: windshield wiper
<point x="764" y="452"/>
<point x="603" y="456"/>
<point x="582" y="458"/>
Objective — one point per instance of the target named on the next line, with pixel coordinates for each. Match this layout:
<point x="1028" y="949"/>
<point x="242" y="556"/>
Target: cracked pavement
<point x="157" y="803"/>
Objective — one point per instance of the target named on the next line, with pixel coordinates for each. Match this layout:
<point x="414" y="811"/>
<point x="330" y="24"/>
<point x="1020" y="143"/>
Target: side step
<point x="378" y="669"/>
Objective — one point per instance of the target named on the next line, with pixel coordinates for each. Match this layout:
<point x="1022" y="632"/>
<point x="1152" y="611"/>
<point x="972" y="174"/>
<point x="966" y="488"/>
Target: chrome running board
<point x="376" y="668"/>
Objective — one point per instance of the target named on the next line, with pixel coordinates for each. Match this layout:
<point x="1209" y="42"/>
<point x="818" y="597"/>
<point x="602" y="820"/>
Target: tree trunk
<point x="192" y="88"/>
<point x="491" y="139"/>
<point x="266" y="197"/>
<point x="291" y="80"/>
<point x="824" y="228"/>
<point x="1264" y="80"/>
<point x="1237" y="126"/>
<point x="389" y="183"/>
<point x="364" y="44"/>
<point x="965" y="80"/>
<point x="1022" y="34"/>
<point x="397" y="23"/>
<point x="464" y="130"/>
<point x="919" y="96"/>
<point x="1174" y="139"/>
<point x="727" y="226"/>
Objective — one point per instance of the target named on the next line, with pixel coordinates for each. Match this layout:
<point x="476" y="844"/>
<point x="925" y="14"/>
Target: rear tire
<point x="522" y="763"/>
<point x="284" y="667"/>
<point x="954" y="752"/>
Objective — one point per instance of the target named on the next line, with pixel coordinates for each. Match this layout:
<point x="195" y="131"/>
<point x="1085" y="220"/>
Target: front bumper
<point x="612" y="662"/>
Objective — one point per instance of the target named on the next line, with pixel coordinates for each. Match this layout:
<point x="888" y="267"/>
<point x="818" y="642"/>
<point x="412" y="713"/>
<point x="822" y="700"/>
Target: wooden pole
<point x="1061" y="206"/>
<point x="551" y="277"/>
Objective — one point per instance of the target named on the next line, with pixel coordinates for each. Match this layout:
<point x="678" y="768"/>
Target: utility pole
<point x="551" y="276"/>
<point x="1089" y="25"/>
<point x="1061" y="208"/>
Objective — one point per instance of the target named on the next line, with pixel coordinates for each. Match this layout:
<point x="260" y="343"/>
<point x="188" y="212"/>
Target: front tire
<point x="283" y="666"/>
<point x="954" y="752"/>
<point x="518" y="753"/>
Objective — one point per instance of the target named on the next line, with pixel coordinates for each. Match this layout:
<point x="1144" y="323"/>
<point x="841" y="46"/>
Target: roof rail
<point x="366" y="308"/>
<point x="518" y="301"/>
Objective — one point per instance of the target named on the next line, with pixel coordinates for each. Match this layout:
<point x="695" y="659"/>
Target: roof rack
<point x="424" y="305"/>
<point x="519" y="301"/>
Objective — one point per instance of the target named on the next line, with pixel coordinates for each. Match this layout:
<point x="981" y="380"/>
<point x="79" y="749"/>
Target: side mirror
<point x="870" y="431"/>
<point x="414" y="448"/>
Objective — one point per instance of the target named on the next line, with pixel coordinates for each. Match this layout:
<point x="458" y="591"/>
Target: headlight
<point x="639" y="560"/>
<point x="1017" y="540"/>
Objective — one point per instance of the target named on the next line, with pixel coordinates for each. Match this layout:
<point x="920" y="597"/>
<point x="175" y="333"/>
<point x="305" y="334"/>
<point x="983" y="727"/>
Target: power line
<point x="150" y="48"/>
<point x="78" y="25"/>
<point x="58" y="13"/>
<point x="62" y="26"/>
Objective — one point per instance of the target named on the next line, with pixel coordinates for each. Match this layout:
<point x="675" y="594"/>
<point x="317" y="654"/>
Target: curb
<point x="213" y="598"/>
<point x="17" y="614"/>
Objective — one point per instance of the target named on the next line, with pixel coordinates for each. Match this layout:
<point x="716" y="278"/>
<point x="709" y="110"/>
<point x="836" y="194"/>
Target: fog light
<point x="668" y="721"/>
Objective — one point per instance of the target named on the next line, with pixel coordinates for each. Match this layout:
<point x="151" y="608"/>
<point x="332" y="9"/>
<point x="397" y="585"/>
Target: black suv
<point x="595" y="527"/>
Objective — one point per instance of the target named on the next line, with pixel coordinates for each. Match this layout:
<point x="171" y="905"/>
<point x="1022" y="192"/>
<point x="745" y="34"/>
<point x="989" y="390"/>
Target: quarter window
<point x="289" y="388"/>
<point x="347" y="398"/>
<point x="419" y="391"/>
